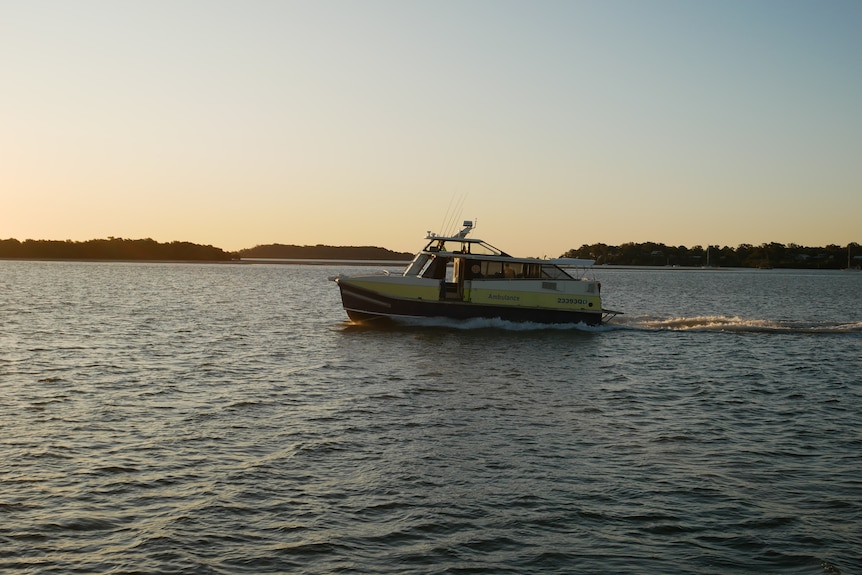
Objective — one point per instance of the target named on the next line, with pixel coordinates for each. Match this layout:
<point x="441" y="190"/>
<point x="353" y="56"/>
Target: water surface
<point x="173" y="418"/>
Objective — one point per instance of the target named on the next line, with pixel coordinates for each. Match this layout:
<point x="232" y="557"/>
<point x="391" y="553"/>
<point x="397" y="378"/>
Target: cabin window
<point x="475" y="269"/>
<point x="505" y="270"/>
<point x="417" y="265"/>
<point x="495" y="270"/>
<point x="436" y="269"/>
<point x="492" y="270"/>
<point x="482" y="249"/>
<point x="533" y="271"/>
<point x="553" y="272"/>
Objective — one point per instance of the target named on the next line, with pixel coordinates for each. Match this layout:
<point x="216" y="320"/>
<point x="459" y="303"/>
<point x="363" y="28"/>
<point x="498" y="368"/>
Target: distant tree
<point x="323" y="252"/>
<point x="745" y="255"/>
<point x="110" y="249"/>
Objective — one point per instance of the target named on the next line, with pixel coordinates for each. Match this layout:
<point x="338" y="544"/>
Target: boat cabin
<point x="454" y="260"/>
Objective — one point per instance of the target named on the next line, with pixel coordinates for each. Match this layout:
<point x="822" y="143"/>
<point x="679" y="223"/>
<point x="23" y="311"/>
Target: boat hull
<point x="364" y="305"/>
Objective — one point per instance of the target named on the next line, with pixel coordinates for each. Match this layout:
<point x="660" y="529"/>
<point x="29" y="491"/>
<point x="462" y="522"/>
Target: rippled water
<point x="172" y="418"/>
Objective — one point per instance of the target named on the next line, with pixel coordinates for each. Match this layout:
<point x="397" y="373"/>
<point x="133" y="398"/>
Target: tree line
<point x="149" y="249"/>
<point x="323" y="252"/>
<point x="110" y="249"/>
<point x="771" y="255"/>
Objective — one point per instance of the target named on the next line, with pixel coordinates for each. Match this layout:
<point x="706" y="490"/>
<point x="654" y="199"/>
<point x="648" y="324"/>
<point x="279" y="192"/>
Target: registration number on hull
<point x="572" y="301"/>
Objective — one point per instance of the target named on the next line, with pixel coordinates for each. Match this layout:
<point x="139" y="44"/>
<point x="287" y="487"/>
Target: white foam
<point x="736" y="324"/>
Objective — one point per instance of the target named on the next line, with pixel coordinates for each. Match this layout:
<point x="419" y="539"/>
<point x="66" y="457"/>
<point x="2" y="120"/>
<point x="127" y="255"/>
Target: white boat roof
<point x="564" y="262"/>
<point x="499" y="255"/>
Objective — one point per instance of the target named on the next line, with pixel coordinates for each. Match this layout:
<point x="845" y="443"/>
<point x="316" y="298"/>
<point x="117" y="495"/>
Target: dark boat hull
<point x="364" y="305"/>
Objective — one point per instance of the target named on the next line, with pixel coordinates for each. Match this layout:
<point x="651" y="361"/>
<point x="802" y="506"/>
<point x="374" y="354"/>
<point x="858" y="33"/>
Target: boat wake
<point x="735" y="324"/>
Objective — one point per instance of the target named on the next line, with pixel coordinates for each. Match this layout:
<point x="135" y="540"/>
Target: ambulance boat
<point x="460" y="278"/>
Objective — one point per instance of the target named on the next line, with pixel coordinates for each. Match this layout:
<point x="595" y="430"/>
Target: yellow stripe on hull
<point x="560" y="301"/>
<point x="415" y="289"/>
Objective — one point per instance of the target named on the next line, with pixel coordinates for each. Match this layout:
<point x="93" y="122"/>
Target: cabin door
<point x="453" y="287"/>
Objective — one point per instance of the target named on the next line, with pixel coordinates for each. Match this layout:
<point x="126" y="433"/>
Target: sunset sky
<point x="554" y="123"/>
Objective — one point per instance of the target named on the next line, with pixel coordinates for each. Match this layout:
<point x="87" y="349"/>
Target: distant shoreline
<point x="649" y="254"/>
<point x="239" y="261"/>
<point x="120" y="249"/>
<point x="118" y="260"/>
<point x="324" y="262"/>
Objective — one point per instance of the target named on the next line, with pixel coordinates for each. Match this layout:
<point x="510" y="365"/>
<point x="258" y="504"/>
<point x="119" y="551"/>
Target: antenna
<point x="442" y="227"/>
<point x="453" y="214"/>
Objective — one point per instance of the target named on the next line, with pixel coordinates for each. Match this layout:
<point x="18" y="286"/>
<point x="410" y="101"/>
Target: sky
<point x="550" y="123"/>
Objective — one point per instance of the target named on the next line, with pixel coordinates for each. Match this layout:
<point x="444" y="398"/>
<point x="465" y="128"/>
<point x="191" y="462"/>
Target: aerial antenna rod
<point x="444" y="223"/>
<point x="455" y="216"/>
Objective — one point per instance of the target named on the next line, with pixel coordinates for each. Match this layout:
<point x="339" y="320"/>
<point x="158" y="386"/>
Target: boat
<point x="460" y="277"/>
